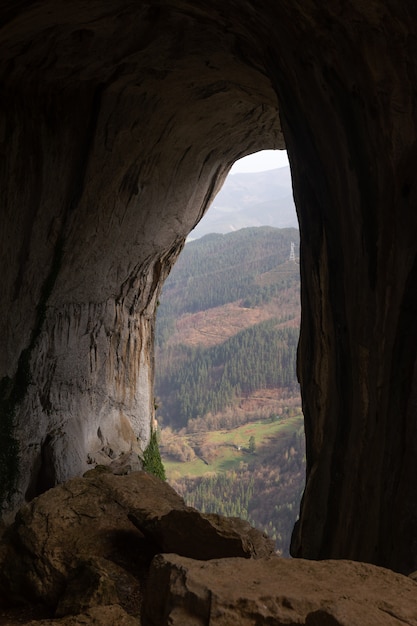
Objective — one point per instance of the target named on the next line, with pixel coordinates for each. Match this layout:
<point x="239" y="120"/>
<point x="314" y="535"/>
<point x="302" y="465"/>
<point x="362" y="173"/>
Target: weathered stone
<point x="161" y="514"/>
<point x="56" y="533"/>
<point x="276" y="591"/>
<point x="88" y="585"/>
<point x="64" y="546"/>
<point x="74" y="552"/>
<point x="202" y="536"/>
<point x="138" y="491"/>
<point x="126" y="463"/>
<point x="87" y="254"/>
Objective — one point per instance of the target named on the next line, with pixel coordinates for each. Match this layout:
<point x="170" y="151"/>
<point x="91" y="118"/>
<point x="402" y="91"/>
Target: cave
<point x="119" y="123"/>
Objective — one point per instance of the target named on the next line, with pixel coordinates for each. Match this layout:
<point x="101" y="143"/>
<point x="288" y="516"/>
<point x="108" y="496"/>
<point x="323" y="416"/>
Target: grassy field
<point x="219" y="451"/>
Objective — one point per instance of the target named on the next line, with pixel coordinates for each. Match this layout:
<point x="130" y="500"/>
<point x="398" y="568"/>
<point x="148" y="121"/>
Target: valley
<point x="229" y="410"/>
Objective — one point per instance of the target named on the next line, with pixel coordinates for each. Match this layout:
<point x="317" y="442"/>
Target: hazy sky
<point x="261" y="161"/>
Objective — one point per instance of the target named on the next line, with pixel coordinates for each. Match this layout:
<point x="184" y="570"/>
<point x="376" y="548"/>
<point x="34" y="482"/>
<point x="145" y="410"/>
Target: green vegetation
<point x="204" y="453"/>
<point x="223" y="476"/>
<point x="152" y="461"/>
<point x="211" y="379"/>
<point x="232" y="438"/>
<point x="218" y="269"/>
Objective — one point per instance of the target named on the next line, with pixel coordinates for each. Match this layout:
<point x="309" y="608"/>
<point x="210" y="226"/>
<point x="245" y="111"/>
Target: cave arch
<point x="118" y="125"/>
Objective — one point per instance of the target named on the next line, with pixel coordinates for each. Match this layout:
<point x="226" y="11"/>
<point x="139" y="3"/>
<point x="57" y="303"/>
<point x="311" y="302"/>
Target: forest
<point x="227" y="396"/>
<point x="251" y="269"/>
<point x="261" y="483"/>
<point x="218" y="269"/>
<point x="209" y="380"/>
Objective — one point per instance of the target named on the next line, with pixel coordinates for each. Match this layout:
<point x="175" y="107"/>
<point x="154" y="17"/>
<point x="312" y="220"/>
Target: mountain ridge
<point x="251" y="199"/>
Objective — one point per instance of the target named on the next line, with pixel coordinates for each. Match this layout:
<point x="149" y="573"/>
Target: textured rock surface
<point x="124" y="136"/>
<point x="117" y="125"/>
<point x="73" y="557"/>
<point x="190" y="533"/>
<point x="65" y="531"/>
<point x="97" y="616"/>
<point x="276" y="591"/>
<point x="75" y="547"/>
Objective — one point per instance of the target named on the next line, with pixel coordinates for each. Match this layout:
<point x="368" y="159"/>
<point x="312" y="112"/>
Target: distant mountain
<point x="254" y="199"/>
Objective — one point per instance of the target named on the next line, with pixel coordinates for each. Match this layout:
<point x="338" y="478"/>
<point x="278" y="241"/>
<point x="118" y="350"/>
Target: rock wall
<point x="348" y="113"/>
<point x="117" y="127"/>
<point x="114" y="128"/>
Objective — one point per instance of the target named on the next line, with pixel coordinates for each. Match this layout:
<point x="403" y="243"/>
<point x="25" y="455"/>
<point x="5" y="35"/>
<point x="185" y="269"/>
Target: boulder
<point x="57" y="532"/>
<point x="75" y="546"/>
<point x="89" y="552"/>
<point x="210" y="536"/>
<point x="276" y="591"/>
<point x="162" y="516"/>
<point x="92" y="583"/>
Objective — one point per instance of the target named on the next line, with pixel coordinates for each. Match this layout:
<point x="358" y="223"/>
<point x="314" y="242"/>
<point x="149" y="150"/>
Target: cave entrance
<point x="122" y="136"/>
<point x="228" y="402"/>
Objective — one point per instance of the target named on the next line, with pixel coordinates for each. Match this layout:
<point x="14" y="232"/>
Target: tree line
<point x="219" y="269"/>
<point x="209" y="380"/>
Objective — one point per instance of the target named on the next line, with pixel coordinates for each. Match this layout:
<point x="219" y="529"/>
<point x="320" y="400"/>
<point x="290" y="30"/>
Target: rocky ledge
<point x="111" y="549"/>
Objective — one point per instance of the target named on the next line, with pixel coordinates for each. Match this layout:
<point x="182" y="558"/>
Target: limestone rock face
<point x="276" y="591"/>
<point x="118" y="125"/>
<point x="123" y="134"/>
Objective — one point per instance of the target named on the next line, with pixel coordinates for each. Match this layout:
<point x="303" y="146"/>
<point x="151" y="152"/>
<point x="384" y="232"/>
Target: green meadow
<point x="224" y="450"/>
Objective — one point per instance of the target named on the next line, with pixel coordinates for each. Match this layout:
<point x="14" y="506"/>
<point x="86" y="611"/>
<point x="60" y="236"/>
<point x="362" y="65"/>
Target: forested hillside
<point x="255" y="472"/>
<point x="219" y="269"/>
<point x="208" y="380"/>
<point x="240" y="294"/>
<point x="227" y="334"/>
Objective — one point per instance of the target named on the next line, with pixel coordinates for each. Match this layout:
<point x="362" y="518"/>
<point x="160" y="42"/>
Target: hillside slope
<point x="228" y="325"/>
<point x="232" y="435"/>
<point x="255" y="472"/>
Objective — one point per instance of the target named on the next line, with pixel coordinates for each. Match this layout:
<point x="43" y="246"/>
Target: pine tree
<point x="152" y="462"/>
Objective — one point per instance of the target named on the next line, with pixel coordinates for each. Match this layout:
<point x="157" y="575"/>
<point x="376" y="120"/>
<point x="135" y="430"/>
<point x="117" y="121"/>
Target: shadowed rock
<point x="97" y="616"/>
<point x="56" y="540"/>
<point x="73" y="555"/>
<point x="203" y="536"/>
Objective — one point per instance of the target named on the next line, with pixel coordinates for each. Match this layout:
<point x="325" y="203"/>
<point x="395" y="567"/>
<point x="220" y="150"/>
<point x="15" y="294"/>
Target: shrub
<point x="152" y="461"/>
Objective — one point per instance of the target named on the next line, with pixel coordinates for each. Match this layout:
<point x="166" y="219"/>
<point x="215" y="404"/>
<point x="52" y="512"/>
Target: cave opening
<point x="228" y="408"/>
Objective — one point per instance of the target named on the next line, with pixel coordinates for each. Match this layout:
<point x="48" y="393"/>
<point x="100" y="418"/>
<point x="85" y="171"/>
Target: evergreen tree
<point x="152" y="462"/>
